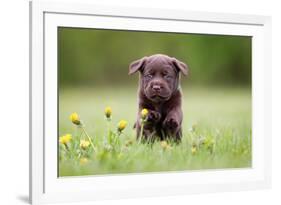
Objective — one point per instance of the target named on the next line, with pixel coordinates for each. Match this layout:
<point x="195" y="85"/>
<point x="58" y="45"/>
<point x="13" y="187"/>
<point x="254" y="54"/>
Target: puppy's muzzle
<point x="156" y="88"/>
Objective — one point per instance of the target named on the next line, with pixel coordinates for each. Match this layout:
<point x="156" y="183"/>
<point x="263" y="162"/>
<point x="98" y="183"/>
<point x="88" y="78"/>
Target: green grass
<point x="222" y="136"/>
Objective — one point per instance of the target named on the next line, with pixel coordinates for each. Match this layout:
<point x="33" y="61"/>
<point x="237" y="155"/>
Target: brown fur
<point x="159" y="92"/>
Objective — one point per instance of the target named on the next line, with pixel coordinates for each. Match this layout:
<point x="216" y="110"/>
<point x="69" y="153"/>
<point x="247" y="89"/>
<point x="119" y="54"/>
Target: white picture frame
<point x="46" y="187"/>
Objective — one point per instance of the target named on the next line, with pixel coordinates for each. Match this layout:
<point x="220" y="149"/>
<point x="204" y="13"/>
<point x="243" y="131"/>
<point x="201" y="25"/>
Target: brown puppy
<point x="160" y="93"/>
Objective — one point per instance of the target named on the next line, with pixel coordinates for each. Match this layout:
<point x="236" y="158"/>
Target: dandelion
<point x="144" y="114"/>
<point x="210" y="144"/>
<point x="122" y="125"/>
<point x="165" y="145"/>
<point x="65" y="139"/>
<point x="84" y="160"/>
<point x="84" y="144"/>
<point x="193" y="149"/>
<point x="74" y="117"/>
<point x="108" y="112"/>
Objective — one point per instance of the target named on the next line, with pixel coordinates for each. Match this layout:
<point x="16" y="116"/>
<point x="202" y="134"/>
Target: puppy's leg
<point x="178" y="136"/>
<point x="153" y="117"/>
<point x="172" y="124"/>
<point x="148" y="132"/>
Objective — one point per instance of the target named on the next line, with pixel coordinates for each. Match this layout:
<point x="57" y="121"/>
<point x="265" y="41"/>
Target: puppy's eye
<point x="148" y="76"/>
<point x="167" y="76"/>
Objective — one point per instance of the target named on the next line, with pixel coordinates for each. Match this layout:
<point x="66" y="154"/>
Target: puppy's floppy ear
<point x="182" y="67"/>
<point x="137" y="65"/>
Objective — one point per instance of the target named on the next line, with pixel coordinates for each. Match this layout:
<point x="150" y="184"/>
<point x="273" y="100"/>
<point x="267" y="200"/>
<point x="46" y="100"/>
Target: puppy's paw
<point x="153" y="116"/>
<point x="171" y="124"/>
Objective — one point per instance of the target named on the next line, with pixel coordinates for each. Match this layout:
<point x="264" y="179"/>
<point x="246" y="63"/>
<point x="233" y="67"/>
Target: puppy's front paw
<point x="153" y="116"/>
<point x="171" y="124"/>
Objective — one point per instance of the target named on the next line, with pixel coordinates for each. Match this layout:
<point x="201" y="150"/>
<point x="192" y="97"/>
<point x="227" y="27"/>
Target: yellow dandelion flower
<point x="84" y="144"/>
<point x="108" y="112"/>
<point x="65" y="139"/>
<point x="84" y="160"/>
<point x="144" y="113"/>
<point x="74" y="117"/>
<point x="165" y="145"/>
<point x="122" y="125"/>
<point x="193" y="149"/>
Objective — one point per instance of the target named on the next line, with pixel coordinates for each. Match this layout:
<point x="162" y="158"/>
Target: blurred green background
<point x="97" y="57"/>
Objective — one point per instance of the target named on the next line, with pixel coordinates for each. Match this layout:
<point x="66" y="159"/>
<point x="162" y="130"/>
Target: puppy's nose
<point x="156" y="87"/>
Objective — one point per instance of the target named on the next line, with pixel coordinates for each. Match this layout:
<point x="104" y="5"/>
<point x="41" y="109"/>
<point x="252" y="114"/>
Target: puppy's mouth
<point x="158" y="97"/>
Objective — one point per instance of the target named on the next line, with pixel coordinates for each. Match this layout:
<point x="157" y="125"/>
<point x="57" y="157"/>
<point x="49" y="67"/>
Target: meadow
<point x="216" y="132"/>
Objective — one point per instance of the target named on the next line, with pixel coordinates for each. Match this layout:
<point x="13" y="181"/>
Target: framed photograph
<point x="129" y="102"/>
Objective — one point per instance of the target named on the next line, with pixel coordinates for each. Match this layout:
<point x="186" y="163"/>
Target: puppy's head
<point x="159" y="76"/>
